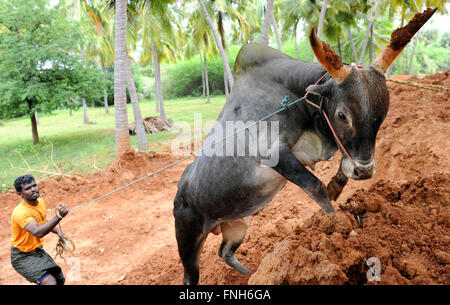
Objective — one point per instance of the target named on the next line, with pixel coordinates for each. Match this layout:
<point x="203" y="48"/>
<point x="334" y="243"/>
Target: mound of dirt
<point x="406" y="227"/>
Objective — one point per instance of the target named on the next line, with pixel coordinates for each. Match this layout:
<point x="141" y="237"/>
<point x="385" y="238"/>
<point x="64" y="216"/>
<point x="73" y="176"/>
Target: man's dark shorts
<point x="34" y="265"/>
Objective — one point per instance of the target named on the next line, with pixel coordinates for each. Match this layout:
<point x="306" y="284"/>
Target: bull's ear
<point x="399" y="39"/>
<point x="328" y="58"/>
<point x="322" y="90"/>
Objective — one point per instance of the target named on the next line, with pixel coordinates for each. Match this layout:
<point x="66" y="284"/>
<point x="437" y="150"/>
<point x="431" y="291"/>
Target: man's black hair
<point x="25" y="179"/>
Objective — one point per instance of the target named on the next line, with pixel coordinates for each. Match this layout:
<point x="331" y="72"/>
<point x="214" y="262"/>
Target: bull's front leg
<point x="290" y="168"/>
<point x="337" y="184"/>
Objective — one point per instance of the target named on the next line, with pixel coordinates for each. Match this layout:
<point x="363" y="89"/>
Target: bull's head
<point x="358" y="98"/>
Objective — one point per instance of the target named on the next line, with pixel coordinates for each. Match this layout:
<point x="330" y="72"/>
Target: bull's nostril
<point x="363" y="173"/>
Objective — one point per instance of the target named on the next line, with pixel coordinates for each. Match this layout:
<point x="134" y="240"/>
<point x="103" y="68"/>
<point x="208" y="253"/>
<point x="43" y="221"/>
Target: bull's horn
<point x="399" y="39"/>
<point x="328" y="58"/>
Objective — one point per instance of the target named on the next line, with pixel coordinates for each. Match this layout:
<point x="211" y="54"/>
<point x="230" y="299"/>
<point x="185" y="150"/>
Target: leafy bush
<point x="185" y="78"/>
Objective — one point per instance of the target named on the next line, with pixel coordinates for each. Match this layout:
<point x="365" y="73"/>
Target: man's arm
<point x="50" y="226"/>
<point x="40" y="231"/>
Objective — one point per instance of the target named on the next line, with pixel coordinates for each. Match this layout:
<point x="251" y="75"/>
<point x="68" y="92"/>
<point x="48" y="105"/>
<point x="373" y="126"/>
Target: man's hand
<point x="62" y="210"/>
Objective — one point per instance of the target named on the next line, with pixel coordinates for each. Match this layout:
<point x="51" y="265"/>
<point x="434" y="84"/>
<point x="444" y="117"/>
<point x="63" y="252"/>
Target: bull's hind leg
<point x="190" y="238"/>
<point x="233" y="232"/>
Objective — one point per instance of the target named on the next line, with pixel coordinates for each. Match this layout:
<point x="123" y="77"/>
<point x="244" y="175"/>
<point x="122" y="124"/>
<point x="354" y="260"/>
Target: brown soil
<point x="128" y="237"/>
<point x="403" y="225"/>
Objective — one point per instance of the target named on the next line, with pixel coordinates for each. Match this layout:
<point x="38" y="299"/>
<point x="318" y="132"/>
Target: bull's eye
<point x="342" y="116"/>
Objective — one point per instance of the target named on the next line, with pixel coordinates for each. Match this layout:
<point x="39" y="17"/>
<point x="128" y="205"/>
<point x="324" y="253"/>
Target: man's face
<point x="30" y="191"/>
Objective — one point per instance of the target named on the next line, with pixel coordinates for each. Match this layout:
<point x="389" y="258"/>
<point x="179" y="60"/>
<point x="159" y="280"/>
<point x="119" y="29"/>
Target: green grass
<point x="69" y="146"/>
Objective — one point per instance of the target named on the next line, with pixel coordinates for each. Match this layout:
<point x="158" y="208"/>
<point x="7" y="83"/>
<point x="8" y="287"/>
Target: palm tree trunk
<point x="321" y="21"/>
<point x="120" y="74"/>
<point x="158" y="79"/>
<point x="85" y="114"/>
<point x="225" y="82"/>
<point x="296" y="40"/>
<point x="412" y="54"/>
<point x="161" y="99"/>
<point x="156" y="105"/>
<point x="203" y="76"/>
<point x="366" y="38"/>
<point x="157" y="83"/>
<point x="222" y="39"/>
<point x="219" y="44"/>
<point x="389" y="70"/>
<point x="339" y="46"/>
<point x="406" y="57"/>
<point x="157" y="99"/>
<point x="206" y="80"/>
<point x="355" y="54"/>
<point x="371" y="44"/>
<point x="277" y="34"/>
<point x="140" y="130"/>
<point x="105" y="100"/>
<point x="266" y="23"/>
<point x="105" y="91"/>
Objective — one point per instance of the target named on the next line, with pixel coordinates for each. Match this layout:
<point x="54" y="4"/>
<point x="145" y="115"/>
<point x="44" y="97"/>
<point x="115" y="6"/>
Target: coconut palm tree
<point x="249" y="26"/>
<point x="369" y="32"/>
<point x="100" y="46"/>
<point x="275" y="27"/>
<point x="199" y="42"/>
<point x="100" y="16"/>
<point x="268" y="13"/>
<point x="120" y="77"/>
<point x="74" y="13"/>
<point x="291" y="11"/>
<point x="218" y="43"/>
<point x="157" y="22"/>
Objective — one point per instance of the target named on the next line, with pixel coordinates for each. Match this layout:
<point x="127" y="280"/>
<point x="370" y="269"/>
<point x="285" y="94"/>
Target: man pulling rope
<point x="29" y="225"/>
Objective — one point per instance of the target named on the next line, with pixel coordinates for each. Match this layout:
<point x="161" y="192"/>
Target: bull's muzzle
<point x="363" y="171"/>
<point x="360" y="170"/>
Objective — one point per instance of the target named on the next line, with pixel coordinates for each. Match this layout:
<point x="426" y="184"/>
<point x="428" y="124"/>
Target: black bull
<point x="220" y="193"/>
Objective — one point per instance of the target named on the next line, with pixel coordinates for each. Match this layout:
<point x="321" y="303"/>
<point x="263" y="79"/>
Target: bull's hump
<point x="254" y="54"/>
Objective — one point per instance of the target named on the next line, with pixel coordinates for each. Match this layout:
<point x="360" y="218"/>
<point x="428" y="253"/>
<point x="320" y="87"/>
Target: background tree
<point x="268" y="13"/>
<point x="99" y="48"/>
<point x="218" y="43"/>
<point x="37" y="62"/>
<point x="157" y="27"/>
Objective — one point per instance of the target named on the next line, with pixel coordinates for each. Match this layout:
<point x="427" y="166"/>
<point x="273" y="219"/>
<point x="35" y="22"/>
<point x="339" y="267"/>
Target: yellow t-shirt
<point x="21" y="216"/>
